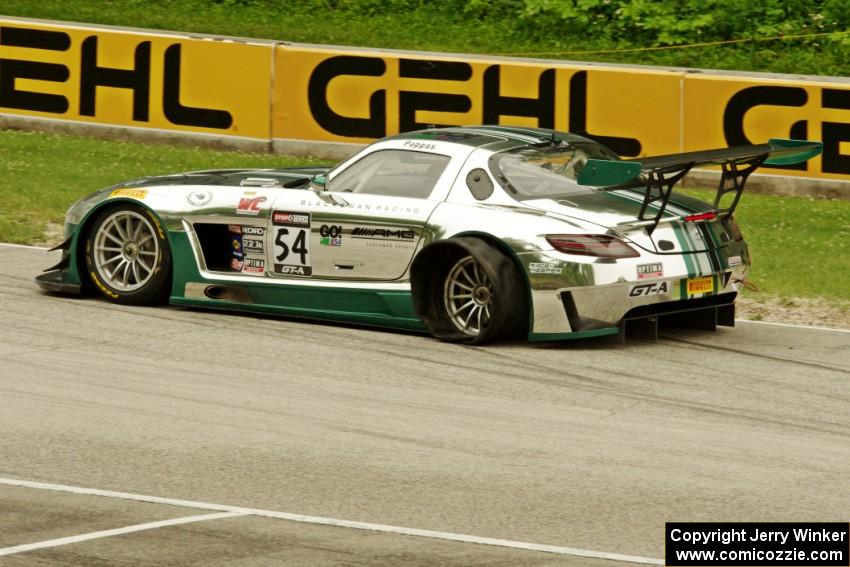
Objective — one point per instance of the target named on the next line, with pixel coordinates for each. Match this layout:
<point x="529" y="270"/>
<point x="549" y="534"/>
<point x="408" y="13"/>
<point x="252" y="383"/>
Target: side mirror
<point x="318" y="183"/>
<point x="319" y="186"/>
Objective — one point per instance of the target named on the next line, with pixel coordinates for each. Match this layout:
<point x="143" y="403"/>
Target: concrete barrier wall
<point x="256" y="94"/>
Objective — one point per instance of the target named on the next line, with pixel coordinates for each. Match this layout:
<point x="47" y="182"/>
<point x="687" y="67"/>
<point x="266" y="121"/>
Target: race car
<point x="473" y="234"/>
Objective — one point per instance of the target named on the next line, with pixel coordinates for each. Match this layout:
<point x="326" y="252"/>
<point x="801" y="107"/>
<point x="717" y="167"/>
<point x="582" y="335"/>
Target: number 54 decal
<point x="292" y="251"/>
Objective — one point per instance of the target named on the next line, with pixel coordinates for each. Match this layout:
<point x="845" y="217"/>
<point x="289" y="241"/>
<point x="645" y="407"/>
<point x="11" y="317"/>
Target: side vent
<point x="259" y="182"/>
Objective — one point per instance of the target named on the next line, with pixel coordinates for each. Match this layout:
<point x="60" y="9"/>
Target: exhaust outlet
<point x="217" y="292"/>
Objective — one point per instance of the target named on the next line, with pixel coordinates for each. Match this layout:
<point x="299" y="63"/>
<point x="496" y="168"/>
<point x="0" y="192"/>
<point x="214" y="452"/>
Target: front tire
<point x="468" y="291"/>
<point x="127" y="256"/>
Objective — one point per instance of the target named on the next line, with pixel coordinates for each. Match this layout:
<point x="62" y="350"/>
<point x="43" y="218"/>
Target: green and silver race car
<point x="472" y="234"/>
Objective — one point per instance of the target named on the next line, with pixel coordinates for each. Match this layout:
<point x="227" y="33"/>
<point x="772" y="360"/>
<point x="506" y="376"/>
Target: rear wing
<point x="663" y="172"/>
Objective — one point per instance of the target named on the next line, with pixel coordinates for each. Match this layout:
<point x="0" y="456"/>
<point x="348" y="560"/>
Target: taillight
<point x="601" y="245"/>
<point x="701" y="217"/>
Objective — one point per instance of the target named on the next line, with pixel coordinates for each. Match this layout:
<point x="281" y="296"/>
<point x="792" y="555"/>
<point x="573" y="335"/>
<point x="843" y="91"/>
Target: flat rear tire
<point x="470" y="292"/>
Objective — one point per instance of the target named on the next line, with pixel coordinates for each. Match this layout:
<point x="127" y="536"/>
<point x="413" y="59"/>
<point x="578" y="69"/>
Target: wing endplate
<point x="789" y="152"/>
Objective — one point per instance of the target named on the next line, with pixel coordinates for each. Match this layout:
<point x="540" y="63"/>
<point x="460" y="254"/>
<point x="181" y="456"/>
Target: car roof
<point x="494" y="137"/>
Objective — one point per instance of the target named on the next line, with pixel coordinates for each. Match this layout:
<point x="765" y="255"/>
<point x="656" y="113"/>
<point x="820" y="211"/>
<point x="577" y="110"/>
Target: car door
<point x="370" y="222"/>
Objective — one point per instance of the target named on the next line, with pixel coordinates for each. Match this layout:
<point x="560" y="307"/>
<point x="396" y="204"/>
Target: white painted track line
<point x="238" y="510"/>
<point x="792" y="326"/>
<point x="115" y="532"/>
<point x="23" y="246"/>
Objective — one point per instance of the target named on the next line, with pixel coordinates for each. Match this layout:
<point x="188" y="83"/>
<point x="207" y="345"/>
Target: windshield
<point x="548" y="172"/>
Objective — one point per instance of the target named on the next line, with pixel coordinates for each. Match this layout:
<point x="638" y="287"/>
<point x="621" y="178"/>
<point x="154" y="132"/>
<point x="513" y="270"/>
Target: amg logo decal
<point x="382" y="233"/>
<point x="656" y="288"/>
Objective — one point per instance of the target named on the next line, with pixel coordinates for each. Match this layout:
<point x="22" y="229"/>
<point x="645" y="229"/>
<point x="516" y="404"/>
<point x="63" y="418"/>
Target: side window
<point x="399" y="173"/>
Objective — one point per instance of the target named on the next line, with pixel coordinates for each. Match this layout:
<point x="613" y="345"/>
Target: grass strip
<point x="799" y="245"/>
<point x="42" y="174"/>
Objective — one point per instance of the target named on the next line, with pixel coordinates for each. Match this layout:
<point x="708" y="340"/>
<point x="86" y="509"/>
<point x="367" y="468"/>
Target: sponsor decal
<point x="420" y="145"/>
<point x="395" y="209"/>
<point x="700" y="285"/>
<point x="383" y="233"/>
<point x="199" y="197"/>
<point x="655" y="288"/>
<point x="297" y="219"/>
<point x="249" y="203"/>
<point x="254" y="266"/>
<point x="292" y="270"/>
<point x="139" y="194"/>
<point x="544" y="268"/>
<point x="252" y="245"/>
<point x="330" y="235"/>
<point x="646" y="271"/>
<point x="236" y="252"/>
<point x="109" y="293"/>
<point x="253" y="230"/>
<point x="735" y="261"/>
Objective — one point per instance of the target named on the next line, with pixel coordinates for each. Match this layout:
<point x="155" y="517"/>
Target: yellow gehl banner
<point x="721" y="110"/>
<point x="269" y="90"/>
<point x="343" y="95"/>
<point x="133" y="79"/>
<point x="357" y="96"/>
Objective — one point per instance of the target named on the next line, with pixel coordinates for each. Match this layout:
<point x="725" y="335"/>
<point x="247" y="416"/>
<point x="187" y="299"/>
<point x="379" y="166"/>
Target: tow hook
<point x="750" y="286"/>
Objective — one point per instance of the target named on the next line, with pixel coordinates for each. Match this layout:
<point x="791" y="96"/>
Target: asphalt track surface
<point x="221" y="431"/>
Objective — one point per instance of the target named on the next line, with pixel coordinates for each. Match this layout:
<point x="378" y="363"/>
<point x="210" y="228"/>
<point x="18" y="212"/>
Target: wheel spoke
<point x="147" y="253"/>
<point x="108" y="249"/>
<point x="461" y="296"/>
<point x="467" y="276"/>
<point x="144" y="266"/>
<point x="487" y="311"/>
<point x="480" y="312"/>
<point x="457" y="310"/>
<point x="476" y="273"/>
<point x="126" y="274"/>
<point x="109" y="235"/>
<point x="116" y="257"/>
<point x="118" y="267"/>
<point x="462" y="285"/>
<point x="120" y="231"/>
<point x="138" y="230"/>
<point x="136" y="272"/>
<point x="469" y="316"/>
